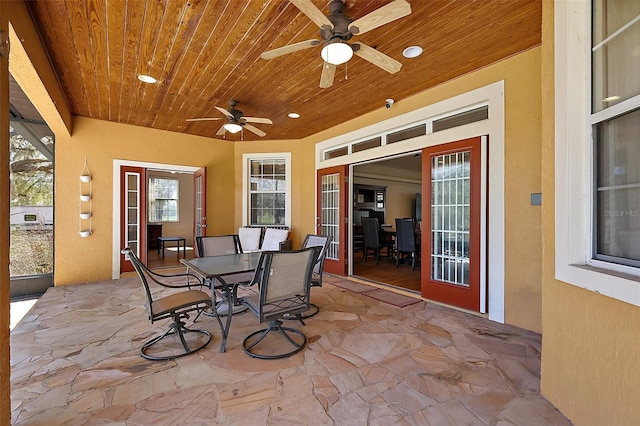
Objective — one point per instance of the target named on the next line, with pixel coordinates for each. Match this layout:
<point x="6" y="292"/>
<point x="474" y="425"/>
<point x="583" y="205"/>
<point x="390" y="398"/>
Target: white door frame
<point x="491" y="95"/>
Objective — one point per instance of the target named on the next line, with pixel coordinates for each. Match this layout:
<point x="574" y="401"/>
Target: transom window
<point x="163" y="199"/>
<point x="615" y="62"/>
<point x="268" y="190"/>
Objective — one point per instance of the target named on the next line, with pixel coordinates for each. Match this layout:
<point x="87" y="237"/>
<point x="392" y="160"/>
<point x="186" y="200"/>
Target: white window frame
<point x="149" y="197"/>
<point x="246" y="195"/>
<point x="574" y="171"/>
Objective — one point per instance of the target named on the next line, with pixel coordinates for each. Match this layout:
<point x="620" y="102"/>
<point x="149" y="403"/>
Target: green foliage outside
<point x="31" y="174"/>
<point x="31" y="251"/>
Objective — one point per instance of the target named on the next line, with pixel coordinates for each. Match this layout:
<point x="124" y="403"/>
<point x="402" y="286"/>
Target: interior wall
<point x="184" y="227"/>
<point x="100" y="142"/>
<point x="590" y="345"/>
<point x="400" y="196"/>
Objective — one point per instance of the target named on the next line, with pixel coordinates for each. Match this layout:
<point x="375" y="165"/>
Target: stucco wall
<point x="590" y="342"/>
<point x="523" y="242"/>
<point x="302" y="182"/>
<point x="79" y="259"/>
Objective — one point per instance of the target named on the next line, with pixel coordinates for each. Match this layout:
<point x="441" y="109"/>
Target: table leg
<point x="230" y="304"/>
<point x="184" y="249"/>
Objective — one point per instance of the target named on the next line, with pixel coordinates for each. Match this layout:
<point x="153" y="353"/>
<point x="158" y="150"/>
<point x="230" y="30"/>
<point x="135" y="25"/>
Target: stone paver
<point x="75" y="360"/>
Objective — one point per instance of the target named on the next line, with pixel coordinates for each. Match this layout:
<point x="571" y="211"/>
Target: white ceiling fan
<point x="337" y="29"/>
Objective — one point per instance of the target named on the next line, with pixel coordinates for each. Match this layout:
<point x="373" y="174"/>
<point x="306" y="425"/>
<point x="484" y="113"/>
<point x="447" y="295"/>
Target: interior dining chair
<point x="406" y="241"/>
<point x="220" y="245"/>
<point x="284" y="281"/>
<point x="371" y="233"/>
<point x="174" y="342"/>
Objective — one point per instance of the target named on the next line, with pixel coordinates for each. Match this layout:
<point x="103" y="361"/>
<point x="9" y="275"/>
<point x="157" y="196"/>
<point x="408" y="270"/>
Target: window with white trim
<point x="268" y="189"/>
<point x="615" y="63"/>
<point x="597" y="146"/>
<point x="163" y="199"/>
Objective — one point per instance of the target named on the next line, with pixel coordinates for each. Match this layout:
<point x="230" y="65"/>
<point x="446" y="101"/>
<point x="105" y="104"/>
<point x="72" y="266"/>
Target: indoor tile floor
<point x="75" y="360"/>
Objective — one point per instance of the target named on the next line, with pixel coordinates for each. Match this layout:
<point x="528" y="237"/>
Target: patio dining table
<point x="216" y="268"/>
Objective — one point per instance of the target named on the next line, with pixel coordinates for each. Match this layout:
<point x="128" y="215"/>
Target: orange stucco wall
<point x="88" y="259"/>
<point x="590" y="342"/>
<point x="302" y="182"/>
<point x="523" y="243"/>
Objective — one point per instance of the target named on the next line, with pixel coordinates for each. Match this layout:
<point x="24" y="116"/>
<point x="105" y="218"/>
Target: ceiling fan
<point x="337" y="29"/>
<point x="236" y="121"/>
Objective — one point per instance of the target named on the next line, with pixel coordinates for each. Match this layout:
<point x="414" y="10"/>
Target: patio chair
<point x="371" y="232"/>
<point x="406" y="240"/>
<point x="316" y="278"/>
<point x="176" y="306"/>
<point x="220" y="245"/>
<point x="284" y="282"/>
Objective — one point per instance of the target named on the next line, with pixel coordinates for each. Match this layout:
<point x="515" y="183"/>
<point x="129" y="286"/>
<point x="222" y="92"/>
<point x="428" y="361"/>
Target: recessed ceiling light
<point x="412" y="52"/>
<point x="293" y="115"/>
<point x="147" y="79"/>
<point x="611" y="99"/>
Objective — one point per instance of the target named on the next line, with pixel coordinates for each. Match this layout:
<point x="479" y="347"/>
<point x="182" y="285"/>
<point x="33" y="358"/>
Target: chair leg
<point x="377" y="255"/>
<point x="275" y="325"/>
<point x="178" y="328"/>
<point x="364" y="255"/>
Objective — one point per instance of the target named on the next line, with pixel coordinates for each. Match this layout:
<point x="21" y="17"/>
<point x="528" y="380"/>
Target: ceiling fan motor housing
<point x="340" y="23"/>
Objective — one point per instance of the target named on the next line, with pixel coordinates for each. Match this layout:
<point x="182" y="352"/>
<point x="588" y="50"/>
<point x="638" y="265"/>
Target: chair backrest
<point x="273" y="237"/>
<point x="317" y="241"/>
<point x="284" y="280"/>
<point x="371" y="232"/>
<point x="249" y="238"/>
<point x="218" y="245"/>
<point x="405" y="235"/>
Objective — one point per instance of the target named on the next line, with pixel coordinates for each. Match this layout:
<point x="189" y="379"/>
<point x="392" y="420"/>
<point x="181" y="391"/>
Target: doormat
<point x="352" y="286"/>
<point x="391" y="297"/>
<point x="380" y="294"/>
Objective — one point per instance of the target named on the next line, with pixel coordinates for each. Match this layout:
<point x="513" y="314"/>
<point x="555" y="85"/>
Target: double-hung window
<point x="163" y="199"/>
<point x="597" y="146"/>
<point x="615" y="120"/>
<point x="267" y="184"/>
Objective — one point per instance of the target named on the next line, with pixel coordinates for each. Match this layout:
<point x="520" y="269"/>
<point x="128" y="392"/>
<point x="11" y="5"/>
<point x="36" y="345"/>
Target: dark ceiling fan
<point x="236" y="120"/>
<point x="337" y="29"/>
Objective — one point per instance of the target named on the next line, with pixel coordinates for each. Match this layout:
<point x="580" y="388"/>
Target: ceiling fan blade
<point x="203" y="119"/>
<point x="328" y="72"/>
<point x="312" y="12"/>
<point x="224" y="111"/>
<point x="377" y="58"/>
<point x="255" y="130"/>
<point x="221" y="131"/>
<point x="388" y="13"/>
<point x="270" y="54"/>
<point x="257" y="120"/>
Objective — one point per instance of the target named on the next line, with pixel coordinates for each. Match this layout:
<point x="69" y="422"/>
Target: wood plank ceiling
<point x="205" y="53"/>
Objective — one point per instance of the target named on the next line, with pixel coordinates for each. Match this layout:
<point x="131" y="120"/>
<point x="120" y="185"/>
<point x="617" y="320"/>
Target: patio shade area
<point x="75" y="360"/>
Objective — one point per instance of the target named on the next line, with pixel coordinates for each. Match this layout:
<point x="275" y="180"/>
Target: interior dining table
<point x="216" y="268"/>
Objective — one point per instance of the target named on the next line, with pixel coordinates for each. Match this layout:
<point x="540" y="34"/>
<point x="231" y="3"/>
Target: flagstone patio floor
<point x="75" y="360"/>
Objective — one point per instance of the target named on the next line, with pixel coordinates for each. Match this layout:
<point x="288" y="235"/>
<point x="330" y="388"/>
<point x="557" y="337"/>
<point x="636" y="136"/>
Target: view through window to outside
<point x="31" y="221"/>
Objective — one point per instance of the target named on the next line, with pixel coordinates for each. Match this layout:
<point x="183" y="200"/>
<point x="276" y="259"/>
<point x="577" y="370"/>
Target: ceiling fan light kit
<point x="232" y="127"/>
<point x="336" y="52"/>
